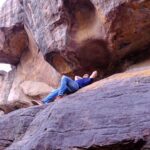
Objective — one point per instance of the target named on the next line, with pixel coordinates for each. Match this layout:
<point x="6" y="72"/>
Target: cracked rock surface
<point x="109" y="114"/>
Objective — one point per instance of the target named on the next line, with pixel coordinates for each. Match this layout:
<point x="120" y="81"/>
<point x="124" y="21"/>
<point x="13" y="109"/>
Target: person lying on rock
<point x="68" y="86"/>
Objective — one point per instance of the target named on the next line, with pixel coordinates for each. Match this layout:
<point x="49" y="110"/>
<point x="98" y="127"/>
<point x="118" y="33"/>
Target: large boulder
<point x="18" y="47"/>
<point x="25" y="117"/>
<point x="82" y="35"/>
<point x="2" y="76"/>
<point x="109" y="114"/>
<point x="33" y="89"/>
<point x="13" y="37"/>
<point x="32" y="67"/>
<point x="67" y="32"/>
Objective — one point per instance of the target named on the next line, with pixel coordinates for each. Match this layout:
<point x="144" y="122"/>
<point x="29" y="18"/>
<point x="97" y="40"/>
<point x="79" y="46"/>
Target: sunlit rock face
<point x="34" y="68"/>
<point x="18" y="47"/>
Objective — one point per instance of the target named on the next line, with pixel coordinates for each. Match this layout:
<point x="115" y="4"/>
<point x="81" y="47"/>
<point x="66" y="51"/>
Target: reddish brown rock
<point x="32" y="67"/>
<point x="82" y="35"/>
<point x="18" y="47"/>
<point x="13" y="38"/>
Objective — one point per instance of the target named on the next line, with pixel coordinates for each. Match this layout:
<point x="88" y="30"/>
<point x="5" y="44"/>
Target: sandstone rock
<point x="76" y="36"/>
<point x="6" y="108"/>
<point x="67" y="32"/>
<point x="73" y="36"/>
<point x="110" y="114"/>
<point x="6" y="85"/>
<point x="34" y="68"/>
<point x="2" y="75"/>
<point x="139" y="66"/>
<point x="71" y="31"/>
<point x="1" y="113"/>
<point x="32" y="88"/>
<point x="18" y="47"/>
<point x="13" y="38"/>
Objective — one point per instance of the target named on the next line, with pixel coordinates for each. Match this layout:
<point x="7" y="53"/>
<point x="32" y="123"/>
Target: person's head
<point x="85" y="76"/>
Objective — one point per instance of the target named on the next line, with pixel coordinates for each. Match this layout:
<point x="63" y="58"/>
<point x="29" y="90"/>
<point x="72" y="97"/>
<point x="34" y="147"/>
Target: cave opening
<point x="89" y="56"/>
<point x="83" y="52"/>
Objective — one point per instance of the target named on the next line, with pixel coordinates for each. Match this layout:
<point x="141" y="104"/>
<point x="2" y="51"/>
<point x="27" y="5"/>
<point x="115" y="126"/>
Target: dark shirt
<point x="84" y="81"/>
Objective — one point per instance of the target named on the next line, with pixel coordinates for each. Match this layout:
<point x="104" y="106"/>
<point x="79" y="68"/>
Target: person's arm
<point x="94" y="74"/>
<point x="77" y="78"/>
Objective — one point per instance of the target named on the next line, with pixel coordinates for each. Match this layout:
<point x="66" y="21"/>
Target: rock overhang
<point x="80" y="36"/>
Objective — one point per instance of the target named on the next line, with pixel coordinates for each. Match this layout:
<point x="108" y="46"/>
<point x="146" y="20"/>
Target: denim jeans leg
<point x="67" y="84"/>
<point x="51" y="97"/>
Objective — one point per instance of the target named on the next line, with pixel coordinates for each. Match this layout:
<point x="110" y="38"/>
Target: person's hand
<point x="77" y="78"/>
<point x="94" y="74"/>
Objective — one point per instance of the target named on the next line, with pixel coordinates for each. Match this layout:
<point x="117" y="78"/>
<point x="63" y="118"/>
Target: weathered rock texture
<point x="25" y="118"/>
<point x="67" y="32"/>
<point x="97" y="117"/>
<point x="32" y="67"/>
<point x="18" y="47"/>
<point x="31" y="88"/>
<point x="73" y="30"/>
<point x="6" y="85"/>
<point x="76" y="36"/>
<point x="13" y="38"/>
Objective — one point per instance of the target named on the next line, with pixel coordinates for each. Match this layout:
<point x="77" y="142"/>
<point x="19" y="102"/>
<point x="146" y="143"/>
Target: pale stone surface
<point x="140" y="66"/>
<point x="17" y="45"/>
<point x="32" y="67"/>
<point x="1" y="112"/>
<point x="32" y="88"/>
<point x="7" y="81"/>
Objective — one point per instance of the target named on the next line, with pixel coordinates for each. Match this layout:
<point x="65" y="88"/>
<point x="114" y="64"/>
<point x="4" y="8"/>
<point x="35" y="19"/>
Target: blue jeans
<point x="67" y="86"/>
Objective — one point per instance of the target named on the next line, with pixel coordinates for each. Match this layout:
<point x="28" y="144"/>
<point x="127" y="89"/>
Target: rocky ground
<point x="111" y="114"/>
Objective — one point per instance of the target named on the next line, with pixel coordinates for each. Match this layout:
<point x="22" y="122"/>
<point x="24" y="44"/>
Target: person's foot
<point x="58" y="98"/>
<point x="35" y="102"/>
